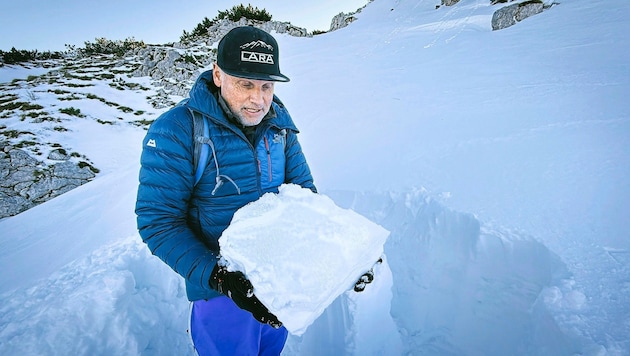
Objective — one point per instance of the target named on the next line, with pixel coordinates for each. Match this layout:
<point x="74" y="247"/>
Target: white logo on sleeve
<point x="151" y="143"/>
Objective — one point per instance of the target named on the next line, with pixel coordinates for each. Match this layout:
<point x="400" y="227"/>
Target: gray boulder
<point x="58" y="155"/>
<point x="449" y="2"/>
<point x="509" y="15"/>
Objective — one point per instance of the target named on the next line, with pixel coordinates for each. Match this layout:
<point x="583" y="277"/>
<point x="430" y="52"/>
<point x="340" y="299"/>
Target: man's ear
<point x="216" y="75"/>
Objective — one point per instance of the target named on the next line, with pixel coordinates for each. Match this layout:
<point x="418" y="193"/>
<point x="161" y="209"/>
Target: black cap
<point x="249" y="52"/>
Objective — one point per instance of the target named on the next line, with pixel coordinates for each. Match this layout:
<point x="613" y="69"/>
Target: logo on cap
<point x="256" y="57"/>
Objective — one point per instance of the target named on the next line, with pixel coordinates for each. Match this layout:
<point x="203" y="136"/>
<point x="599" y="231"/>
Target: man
<point x="253" y="150"/>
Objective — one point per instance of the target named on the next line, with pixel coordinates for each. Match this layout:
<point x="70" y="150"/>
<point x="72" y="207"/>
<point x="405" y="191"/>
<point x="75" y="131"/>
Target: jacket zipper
<point x="256" y="160"/>
<point x="268" y="158"/>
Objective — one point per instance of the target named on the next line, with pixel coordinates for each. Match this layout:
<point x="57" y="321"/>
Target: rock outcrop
<point x="26" y="182"/>
<point x="509" y="15"/>
<point x="342" y="20"/>
<point x="449" y="2"/>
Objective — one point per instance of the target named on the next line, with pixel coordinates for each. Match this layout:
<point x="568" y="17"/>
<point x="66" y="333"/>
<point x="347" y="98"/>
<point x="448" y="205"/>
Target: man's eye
<point x="245" y="84"/>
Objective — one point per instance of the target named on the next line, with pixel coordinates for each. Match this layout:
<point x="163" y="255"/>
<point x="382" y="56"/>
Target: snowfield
<point x="497" y="160"/>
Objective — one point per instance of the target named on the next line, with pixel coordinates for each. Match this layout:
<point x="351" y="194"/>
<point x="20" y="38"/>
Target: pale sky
<point x="50" y="24"/>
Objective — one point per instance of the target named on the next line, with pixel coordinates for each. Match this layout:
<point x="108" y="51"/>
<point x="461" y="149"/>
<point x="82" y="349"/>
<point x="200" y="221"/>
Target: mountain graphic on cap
<point x="256" y="44"/>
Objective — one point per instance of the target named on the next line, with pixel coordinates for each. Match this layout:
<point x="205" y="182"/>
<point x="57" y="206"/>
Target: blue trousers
<point x="219" y="327"/>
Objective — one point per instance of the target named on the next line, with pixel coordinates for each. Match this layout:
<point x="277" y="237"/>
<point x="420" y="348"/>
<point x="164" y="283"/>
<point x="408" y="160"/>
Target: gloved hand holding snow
<point x="366" y="278"/>
<point x="300" y="251"/>
<point x="240" y="290"/>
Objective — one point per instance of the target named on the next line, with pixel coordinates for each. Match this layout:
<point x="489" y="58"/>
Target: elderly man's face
<point x="249" y="99"/>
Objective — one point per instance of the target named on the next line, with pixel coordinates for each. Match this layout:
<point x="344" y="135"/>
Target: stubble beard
<point x="243" y="121"/>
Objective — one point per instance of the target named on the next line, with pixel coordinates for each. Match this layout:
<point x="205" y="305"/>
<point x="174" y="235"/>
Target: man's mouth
<point x="252" y="110"/>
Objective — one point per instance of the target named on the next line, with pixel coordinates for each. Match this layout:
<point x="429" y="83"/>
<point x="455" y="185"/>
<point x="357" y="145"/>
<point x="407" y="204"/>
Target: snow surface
<point x="300" y="251"/>
<point x="498" y="160"/>
<point x="11" y="72"/>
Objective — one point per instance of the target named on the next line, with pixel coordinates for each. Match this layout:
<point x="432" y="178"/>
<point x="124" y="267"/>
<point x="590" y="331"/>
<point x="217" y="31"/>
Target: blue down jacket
<point x="181" y="223"/>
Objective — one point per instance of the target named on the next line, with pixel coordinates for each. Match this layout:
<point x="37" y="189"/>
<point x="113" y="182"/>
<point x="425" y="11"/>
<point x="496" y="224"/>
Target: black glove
<point x="366" y="278"/>
<point x="236" y="286"/>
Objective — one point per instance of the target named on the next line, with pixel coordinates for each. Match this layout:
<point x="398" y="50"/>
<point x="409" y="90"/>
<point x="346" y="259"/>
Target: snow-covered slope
<point x="499" y="162"/>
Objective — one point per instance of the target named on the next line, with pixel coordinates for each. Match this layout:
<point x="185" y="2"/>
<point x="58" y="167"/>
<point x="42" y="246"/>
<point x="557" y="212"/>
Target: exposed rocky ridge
<point x="342" y="20"/>
<point x="37" y="112"/>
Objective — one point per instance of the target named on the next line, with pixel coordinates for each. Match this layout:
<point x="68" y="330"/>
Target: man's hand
<point x="236" y="286"/>
<point x="366" y="278"/>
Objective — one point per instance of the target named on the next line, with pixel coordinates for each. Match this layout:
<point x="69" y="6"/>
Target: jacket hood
<point x="203" y="99"/>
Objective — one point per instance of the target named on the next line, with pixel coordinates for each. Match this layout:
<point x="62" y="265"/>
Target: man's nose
<point x="256" y="95"/>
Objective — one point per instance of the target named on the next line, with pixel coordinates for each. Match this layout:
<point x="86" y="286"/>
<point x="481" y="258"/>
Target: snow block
<point x="300" y="251"/>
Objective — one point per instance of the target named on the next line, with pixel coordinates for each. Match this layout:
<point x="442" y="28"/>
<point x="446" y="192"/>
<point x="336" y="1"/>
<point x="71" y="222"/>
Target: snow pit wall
<point x="457" y="287"/>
